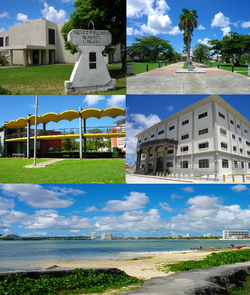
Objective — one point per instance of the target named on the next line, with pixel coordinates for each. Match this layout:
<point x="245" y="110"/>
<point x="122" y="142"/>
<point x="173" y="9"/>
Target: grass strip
<point x="213" y="259"/>
<point x="67" y="171"/>
<point x="141" y="67"/>
<point x="81" y="282"/>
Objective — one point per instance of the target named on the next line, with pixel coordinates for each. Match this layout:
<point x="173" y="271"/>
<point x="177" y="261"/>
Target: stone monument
<point x="90" y="73"/>
<point x="190" y="64"/>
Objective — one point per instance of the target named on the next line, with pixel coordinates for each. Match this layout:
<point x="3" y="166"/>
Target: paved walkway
<point x="44" y="164"/>
<point x="165" y="80"/>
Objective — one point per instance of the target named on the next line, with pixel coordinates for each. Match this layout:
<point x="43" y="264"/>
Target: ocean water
<point x="17" y="255"/>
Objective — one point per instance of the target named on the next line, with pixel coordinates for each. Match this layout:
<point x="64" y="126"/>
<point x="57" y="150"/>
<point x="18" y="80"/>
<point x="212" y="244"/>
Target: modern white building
<point x="209" y="137"/>
<point x="39" y="42"/>
<point x="121" y="141"/>
<point x="235" y="234"/>
<point x="93" y="236"/>
<point x="106" y="236"/>
<point x="207" y="235"/>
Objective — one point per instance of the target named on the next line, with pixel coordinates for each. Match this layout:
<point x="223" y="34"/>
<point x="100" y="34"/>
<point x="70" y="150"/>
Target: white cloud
<point x="116" y="101"/>
<point x="22" y="17"/>
<point x="4" y="14"/>
<point x="203" y="206"/>
<point x="170" y="108"/>
<point x="204" y="41"/>
<point x="93" y="99"/>
<point x="175" y="196"/>
<point x="165" y="207"/>
<point x="131" y="31"/>
<point x="2" y="30"/>
<point x="91" y="209"/>
<point x="70" y="190"/>
<point x="6" y="203"/>
<point x="226" y="31"/>
<point x="245" y="25"/>
<point x="67" y="1"/>
<point x="220" y="20"/>
<point x="50" y="13"/>
<point x="37" y="196"/>
<point x="189" y="189"/>
<point x="146" y="122"/>
<point x="201" y="27"/>
<point x="239" y="188"/>
<point x="134" y="201"/>
<point x="160" y="24"/>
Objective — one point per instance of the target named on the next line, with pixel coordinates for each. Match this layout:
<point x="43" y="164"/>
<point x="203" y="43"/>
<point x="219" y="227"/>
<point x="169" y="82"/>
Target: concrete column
<point x="40" y="57"/>
<point x="80" y="131"/>
<point x="25" y="62"/>
<point x="155" y="160"/>
<point x="165" y="161"/>
<point x="147" y="160"/>
<point x="11" y="58"/>
<point x="44" y="141"/>
<point x="28" y="139"/>
<point x="138" y="163"/>
<point x="85" y="139"/>
<point x="4" y="142"/>
<point x="46" y="57"/>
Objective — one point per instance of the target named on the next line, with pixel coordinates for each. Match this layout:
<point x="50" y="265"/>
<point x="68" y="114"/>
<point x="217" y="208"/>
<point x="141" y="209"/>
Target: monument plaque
<point x="90" y="73"/>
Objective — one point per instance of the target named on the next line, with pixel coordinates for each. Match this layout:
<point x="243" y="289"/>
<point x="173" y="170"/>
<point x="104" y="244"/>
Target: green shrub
<point x="4" y="91"/>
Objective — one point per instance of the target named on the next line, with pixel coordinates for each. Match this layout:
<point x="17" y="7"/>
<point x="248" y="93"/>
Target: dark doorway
<point x="52" y="56"/>
<point x="35" y="57"/>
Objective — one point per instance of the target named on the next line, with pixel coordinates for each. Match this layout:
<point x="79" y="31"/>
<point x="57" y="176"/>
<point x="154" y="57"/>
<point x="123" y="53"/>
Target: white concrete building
<point x="39" y="42"/>
<point x="209" y="137"/>
<point x="106" y="236"/>
<point x="235" y="234"/>
<point x="119" y="142"/>
<point x="93" y="236"/>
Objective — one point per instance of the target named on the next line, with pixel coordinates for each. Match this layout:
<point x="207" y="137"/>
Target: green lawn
<point x="67" y="171"/>
<point x="49" y="79"/>
<point x="141" y="67"/>
<point x="243" y="70"/>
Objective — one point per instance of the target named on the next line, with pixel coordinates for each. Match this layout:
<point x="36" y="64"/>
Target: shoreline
<point x="144" y="267"/>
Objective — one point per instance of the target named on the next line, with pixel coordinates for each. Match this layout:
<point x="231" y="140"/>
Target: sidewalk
<point x="44" y="164"/>
<point x="165" y="80"/>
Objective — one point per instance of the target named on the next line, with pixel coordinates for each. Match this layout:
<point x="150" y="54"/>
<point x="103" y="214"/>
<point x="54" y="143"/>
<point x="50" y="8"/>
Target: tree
<point x="232" y="45"/>
<point x="187" y="23"/>
<point x="151" y="47"/>
<point x="135" y="50"/>
<point x="201" y="51"/>
<point x="107" y="15"/>
<point x="95" y="143"/>
<point x="69" y="144"/>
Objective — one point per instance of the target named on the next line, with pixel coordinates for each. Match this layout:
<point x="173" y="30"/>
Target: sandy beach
<point x="145" y="267"/>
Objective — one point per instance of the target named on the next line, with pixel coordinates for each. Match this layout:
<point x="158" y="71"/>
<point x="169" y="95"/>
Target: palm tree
<point x="187" y="23"/>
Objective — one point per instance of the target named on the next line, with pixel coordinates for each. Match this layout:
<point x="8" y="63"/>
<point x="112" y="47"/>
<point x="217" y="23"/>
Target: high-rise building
<point x="93" y="236"/>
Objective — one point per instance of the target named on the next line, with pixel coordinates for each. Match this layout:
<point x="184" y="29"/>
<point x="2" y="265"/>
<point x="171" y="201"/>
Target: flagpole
<point x="35" y="132"/>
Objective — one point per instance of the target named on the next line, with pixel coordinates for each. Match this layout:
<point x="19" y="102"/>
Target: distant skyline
<point x="144" y="111"/>
<point x="160" y="18"/>
<point x="14" y="107"/>
<point x="123" y="210"/>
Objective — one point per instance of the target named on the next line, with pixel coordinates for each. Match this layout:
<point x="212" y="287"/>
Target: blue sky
<point x="14" y="12"/>
<point x="17" y="106"/>
<point x="143" y="111"/>
<point x="123" y="210"/>
<point x="161" y="17"/>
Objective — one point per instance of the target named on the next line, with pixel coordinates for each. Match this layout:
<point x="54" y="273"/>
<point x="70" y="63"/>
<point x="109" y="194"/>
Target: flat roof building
<point x="209" y="137"/>
<point x="235" y="234"/>
<point x="39" y="42"/>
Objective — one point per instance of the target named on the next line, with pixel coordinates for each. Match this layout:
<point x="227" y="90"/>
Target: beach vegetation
<point x="213" y="259"/>
<point x="241" y="290"/>
<point x="80" y="282"/>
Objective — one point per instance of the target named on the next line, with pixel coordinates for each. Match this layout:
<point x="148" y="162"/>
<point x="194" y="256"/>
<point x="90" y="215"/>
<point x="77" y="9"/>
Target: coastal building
<point x="235" y="234"/>
<point x="106" y="236"/>
<point x="209" y="137"/>
<point x="93" y="236"/>
<point x="207" y="235"/>
<point x="39" y="42"/>
<point x="175" y="236"/>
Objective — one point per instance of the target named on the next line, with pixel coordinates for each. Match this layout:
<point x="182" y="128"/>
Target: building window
<point x="223" y="145"/>
<point x="139" y="141"/>
<point x="184" y="164"/>
<point x="171" y="128"/>
<point x="240" y="139"/>
<point x="241" y="151"/>
<point x="185" y="122"/>
<point x="223" y="131"/>
<point x="160" y="132"/>
<point x="145" y="138"/>
<point x="151" y="155"/>
<point x="242" y="165"/>
<point x="203" y="131"/>
<point x="92" y="60"/>
<point x="1" y="42"/>
<point x="224" y="163"/>
<point x="248" y="153"/>
<point x="233" y="136"/>
<point x="246" y="131"/>
<point x="235" y="164"/>
<point x="221" y="115"/>
<point x="152" y="135"/>
<point x="248" y="143"/>
<point x="185" y="136"/>
<point x="232" y="122"/>
<point x="184" y="149"/>
<point x="202" y="115"/>
<point x="204" y="163"/>
<point x="203" y="145"/>
<point x="52" y="37"/>
<point x="248" y="165"/>
<point x="170" y="151"/>
<point x="234" y="148"/>
<point x="169" y="164"/>
<point x="238" y="126"/>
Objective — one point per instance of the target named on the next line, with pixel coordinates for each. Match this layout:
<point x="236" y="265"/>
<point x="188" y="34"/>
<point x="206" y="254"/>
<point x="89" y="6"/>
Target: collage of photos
<point x="124" y="147"/>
